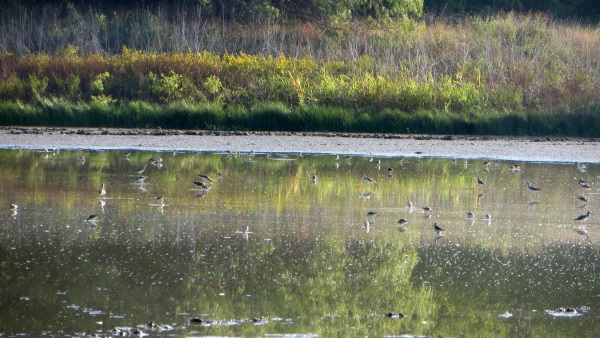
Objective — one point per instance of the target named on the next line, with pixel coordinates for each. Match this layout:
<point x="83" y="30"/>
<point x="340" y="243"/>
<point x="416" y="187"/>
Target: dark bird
<point x="402" y="221"/>
<point x="205" y="177"/>
<point x="160" y="200"/>
<point x="368" y="180"/>
<point x="584" y="185"/>
<point x="470" y="214"/>
<point x="371" y="213"/>
<point x="582" y="198"/>
<point x="13" y="206"/>
<point x="91" y="218"/>
<point x="437" y="228"/>
<point x="390" y="169"/>
<point x="427" y="209"/>
<point x="584" y="217"/>
<point x="532" y="188"/>
<point x="480" y="181"/>
<point x="201" y="185"/>
<point x="314" y="179"/>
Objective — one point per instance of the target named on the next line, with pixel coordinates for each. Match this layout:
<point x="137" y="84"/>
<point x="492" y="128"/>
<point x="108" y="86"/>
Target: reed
<point x="509" y="73"/>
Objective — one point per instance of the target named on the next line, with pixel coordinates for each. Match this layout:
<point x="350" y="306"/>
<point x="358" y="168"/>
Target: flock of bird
<point x="488" y="218"/>
<point x="139" y="179"/>
<point x="205" y="188"/>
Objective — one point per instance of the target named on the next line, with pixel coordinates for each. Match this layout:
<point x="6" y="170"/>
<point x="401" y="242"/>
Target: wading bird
<point x="437" y="228"/>
<point x="201" y="185"/>
<point x="140" y="179"/>
<point x="205" y="177"/>
<point x="368" y="180"/>
<point x="532" y="188"/>
<point x="583" y="217"/>
<point x="141" y="170"/>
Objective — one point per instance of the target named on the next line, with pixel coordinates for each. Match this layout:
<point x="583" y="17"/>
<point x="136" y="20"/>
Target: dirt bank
<point x="383" y="145"/>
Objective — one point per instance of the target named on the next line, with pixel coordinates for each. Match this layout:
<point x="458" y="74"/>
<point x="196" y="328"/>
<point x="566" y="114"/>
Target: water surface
<point x="308" y="264"/>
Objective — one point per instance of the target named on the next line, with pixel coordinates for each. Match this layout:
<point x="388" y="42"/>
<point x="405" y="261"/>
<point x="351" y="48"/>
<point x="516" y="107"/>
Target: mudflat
<point x="546" y="149"/>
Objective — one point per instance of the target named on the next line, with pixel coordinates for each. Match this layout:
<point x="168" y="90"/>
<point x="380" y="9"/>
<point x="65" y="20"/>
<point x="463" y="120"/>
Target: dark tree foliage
<point x="588" y="10"/>
<point x="243" y="10"/>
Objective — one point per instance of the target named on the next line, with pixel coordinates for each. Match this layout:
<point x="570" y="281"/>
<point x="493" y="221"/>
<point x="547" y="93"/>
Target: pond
<point x="266" y="250"/>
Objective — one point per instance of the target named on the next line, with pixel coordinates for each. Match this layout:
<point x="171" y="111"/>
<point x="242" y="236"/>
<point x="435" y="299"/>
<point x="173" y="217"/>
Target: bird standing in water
<point x="583" y="217"/>
<point x="437" y="228"/>
<point x="368" y="180"/>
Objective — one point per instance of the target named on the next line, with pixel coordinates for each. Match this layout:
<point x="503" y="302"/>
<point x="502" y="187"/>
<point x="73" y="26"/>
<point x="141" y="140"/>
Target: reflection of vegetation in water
<point x="307" y="255"/>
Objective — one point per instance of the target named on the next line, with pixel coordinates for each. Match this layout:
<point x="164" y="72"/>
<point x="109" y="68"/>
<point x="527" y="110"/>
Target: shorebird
<point x="367" y="225"/>
<point x="140" y="179"/>
<point x="582" y="232"/>
<point x="584" y="184"/>
<point x="102" y="191"/>
<point x="219" y="177"/>
<point x="245" y="229"/>
<point x="160" y="200"/>
<point x="337" y="157"/>
<point x="409" y="204"/>
<point x="367" y="194"/>
<point x="201" y="185"/>
<point x="91" y="218"/>
<point x="437" y="228"/>
<point x="480" y="181"/>
<point x="582" y="198"/>
<point x="13" y="206"/>
<point x="368" y="180"/>
<point x="390" y="169"/>
<point x="583" y="217"/>
<point x="488" y="217"/>
<point x="532" y="188"/>
<point x="470" y="214"/>
<point x="402" y="221"/>
<point x="81" y="159"/>
<point x="514" y="168"/>
<point x="371" y="213"/>
<point x="205" y="177"/>
<point x="427" y="209"/>
<point x="141" y="170"/>
<point x="314" y="179"/>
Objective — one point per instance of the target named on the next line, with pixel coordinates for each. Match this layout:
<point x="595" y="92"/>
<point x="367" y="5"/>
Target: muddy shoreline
<point x="550" y="149"/>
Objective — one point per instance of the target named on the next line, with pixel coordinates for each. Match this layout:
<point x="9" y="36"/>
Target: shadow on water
<point x="311" y="262"/>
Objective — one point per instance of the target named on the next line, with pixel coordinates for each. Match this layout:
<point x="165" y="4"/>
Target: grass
<point x="507" y="74"/>
<point x="277" y="117"/>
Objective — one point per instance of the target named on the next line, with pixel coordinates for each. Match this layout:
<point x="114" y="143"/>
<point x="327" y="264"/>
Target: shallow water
<point x="308" y="265"/>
